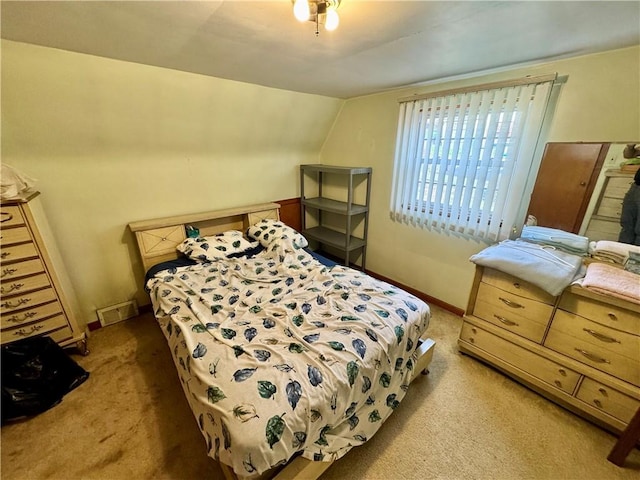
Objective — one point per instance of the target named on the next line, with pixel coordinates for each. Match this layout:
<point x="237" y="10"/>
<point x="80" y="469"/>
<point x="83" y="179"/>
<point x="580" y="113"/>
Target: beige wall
<point x="600" y="102"/>
<point x="112" y="142"/>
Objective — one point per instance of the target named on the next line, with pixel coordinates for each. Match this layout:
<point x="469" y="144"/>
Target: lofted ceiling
<point x="379" y="45"/>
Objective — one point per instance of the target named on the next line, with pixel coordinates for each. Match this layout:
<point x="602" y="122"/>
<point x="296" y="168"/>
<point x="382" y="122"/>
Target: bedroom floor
<point x="130" y="420"/>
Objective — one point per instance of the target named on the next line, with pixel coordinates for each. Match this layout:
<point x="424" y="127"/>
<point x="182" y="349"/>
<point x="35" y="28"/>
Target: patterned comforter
<point x="279" y="355"/>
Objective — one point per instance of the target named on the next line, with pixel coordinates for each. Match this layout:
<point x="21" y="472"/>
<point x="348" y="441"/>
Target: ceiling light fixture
<point x="319" y="11"/>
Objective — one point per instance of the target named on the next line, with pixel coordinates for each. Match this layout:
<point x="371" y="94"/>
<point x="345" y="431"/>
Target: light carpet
<point x="464" y="420"/>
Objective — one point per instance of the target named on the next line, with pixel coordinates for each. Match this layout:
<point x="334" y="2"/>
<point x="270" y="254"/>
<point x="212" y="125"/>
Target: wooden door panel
<point x="565" y="182"/>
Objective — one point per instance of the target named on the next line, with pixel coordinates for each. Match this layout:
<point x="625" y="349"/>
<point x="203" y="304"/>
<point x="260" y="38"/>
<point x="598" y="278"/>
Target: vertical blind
<point x="462" y="158"/>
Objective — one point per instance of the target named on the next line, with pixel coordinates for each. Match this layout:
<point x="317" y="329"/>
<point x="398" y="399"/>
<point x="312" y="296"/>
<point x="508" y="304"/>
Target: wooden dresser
<point x="580" y="350"/>
<point x="35" y="291"/>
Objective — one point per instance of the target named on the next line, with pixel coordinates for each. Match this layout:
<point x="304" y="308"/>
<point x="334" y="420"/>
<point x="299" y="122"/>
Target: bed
<point x="287" y="360"/>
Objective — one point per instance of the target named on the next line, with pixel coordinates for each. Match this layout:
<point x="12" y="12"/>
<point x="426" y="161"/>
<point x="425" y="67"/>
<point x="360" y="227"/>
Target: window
<point x="463" y="158"/>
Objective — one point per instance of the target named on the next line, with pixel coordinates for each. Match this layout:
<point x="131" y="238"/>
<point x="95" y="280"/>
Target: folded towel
<point x="615" y="252"/>
<point x="566" y="241"/>
<point x="543" y="266"/>
<point x="612" y="281"/>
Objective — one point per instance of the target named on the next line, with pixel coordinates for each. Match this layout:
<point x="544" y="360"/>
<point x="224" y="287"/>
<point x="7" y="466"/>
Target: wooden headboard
<point x="157" y="239"/>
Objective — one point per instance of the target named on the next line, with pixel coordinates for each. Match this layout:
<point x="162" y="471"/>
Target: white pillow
<point x="269" y="231"/>
<point x="215" y="247"/>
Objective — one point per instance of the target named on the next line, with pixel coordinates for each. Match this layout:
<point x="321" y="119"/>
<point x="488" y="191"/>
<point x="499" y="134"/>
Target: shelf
<point x="332" y="238"/>
<point x="318" y="167"/>
<point x="334" y="206"/>
<point x="318" y="205"/>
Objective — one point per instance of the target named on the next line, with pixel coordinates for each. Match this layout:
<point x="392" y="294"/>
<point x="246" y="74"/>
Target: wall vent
<point x="117" y="313"/>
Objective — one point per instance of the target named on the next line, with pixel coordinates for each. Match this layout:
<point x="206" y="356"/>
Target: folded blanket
<point x="609" y="280"/>
<point x="566" y="241"/>
<point x="546" y="267"/>
<point x="614" y="252"/>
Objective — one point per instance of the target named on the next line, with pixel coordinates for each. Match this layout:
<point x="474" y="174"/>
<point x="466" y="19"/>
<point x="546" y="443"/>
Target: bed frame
<point x="157" y="240"/>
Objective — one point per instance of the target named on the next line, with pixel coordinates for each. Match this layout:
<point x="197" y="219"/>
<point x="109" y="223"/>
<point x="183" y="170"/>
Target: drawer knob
<point x="474" y="330"/>
<point x="562" y="372"/>
<point x="472" y="340"/>
<point x="591" y="356"/>
<point x="11" y="288"/>
<point x="5" y="254"/>
<point x="612" y="316"/>
<point x="597" y="403"/>
<point x="510" y="303"/>
<point x="516" y="284"/>
<point x="600" y="336"/>
<point x="506" y="321"/>
<point x="603" y="392"/>
<point x="8" y="271"/>
<point x="558" y="383"/>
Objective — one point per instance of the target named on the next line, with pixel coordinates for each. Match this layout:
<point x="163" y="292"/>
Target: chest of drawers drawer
<point x="555" y="375"/>
<point x="607" y="399"/>
<point x="610" y="207"/>
<point x="38" y="328"/>
<point x="28" y="300"/>
<point x="612" y="351"/>
<point x="21" y="269"/>
<point x="11" y="236"/>
<point x="617" y="187"/>
<point x="23" y="285"/>
<point x="16" y="253"/>
<point x="10" y="216"/>
<point x="520" y="315"/>
<point x="39" y="312"/>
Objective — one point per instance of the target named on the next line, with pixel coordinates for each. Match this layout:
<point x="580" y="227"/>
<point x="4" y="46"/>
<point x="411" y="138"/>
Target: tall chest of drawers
<point x="605" y="221"/>
<point x="35" y="293"/>
<point x="580" y="350"/>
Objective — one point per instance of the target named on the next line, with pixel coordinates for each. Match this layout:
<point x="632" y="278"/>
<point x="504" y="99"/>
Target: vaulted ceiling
<point x="379" y="45"/>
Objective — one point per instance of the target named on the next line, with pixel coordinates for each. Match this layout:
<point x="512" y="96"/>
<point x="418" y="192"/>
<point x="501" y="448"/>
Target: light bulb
<point x="333" y="20"/>
<point x="301" y="10"/>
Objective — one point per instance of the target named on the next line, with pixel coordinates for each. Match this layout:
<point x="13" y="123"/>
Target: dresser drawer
<point x="24" y="285"/>
<point x="11" y="236"/>
<point x="22" y="269"/>
<point x="39" y="328"/>
<point x="607" y="399"/>
<point x="14" y="319"/>
<point x="28" y="300"/>
<point x="608" y="315"/>
<point x="550" y="372"/>
<point x="516" y="286"/>
<point x="16" y="253"/>
<point x="520" y="315"/>
<point x="612" y="351"/>
<point x="10" y="216"/>
<point x="610" y="207"/>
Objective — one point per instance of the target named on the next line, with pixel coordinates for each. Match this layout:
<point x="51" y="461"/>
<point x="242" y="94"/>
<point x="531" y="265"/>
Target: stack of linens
<point x="544" y="266"/>
<point x="565" y="241"/>
<point x="612" y="252"/>
<point x="609" y="280"/>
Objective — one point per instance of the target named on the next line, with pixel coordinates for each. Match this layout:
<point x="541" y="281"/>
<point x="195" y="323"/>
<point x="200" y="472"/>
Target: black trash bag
<point x="36" y="374"/>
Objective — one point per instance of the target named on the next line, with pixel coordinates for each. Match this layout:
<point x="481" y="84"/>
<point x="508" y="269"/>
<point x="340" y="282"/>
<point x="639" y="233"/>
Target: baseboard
<point x="417" y="293"/>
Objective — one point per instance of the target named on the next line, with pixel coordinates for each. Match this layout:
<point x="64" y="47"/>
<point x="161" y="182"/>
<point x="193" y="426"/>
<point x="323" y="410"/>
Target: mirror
<point x="580" y="187"/>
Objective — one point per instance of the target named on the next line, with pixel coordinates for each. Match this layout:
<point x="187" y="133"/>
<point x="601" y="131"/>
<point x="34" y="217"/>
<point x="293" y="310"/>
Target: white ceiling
<point x="379" y="44"/>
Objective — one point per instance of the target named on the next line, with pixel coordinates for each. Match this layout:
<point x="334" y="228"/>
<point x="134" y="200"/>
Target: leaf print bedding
<point x="279" y="355"/>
